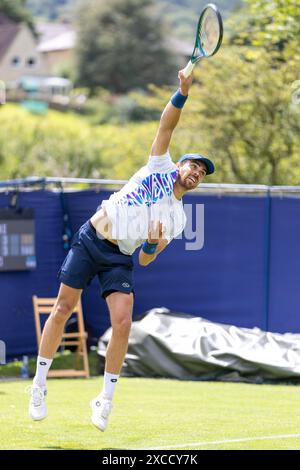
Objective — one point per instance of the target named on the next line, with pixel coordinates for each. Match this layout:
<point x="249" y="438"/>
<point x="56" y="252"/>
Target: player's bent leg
<point x="120" y="308"/>
<point x="66" y="301"/>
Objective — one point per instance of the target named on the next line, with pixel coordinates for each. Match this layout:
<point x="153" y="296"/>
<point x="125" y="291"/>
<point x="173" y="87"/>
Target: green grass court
<point x="155" y="414"/>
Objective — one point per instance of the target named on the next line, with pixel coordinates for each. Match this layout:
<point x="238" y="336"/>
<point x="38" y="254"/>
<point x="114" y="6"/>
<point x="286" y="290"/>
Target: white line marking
<point x="227" y="441"/>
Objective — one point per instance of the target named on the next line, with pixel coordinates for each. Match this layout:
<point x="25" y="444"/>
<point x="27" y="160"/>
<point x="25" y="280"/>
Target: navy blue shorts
<point x="92" y="256"/>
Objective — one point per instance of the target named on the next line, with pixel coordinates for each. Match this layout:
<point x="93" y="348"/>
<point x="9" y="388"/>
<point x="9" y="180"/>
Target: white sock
<point x="109" y="385"/>
<point x="42" y="367"/>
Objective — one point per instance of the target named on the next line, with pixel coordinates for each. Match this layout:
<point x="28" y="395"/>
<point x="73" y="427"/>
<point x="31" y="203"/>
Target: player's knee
<point x="62" y="312"/>
<point x="122" y="326"/>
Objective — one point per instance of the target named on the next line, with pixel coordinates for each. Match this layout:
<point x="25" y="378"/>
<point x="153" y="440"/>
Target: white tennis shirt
<point x="148" y="196"/>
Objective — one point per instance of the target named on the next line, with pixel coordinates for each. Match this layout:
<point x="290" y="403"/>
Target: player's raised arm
<point x="170" y="116"/>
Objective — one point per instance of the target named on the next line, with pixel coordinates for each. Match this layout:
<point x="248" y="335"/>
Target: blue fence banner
<point x="246" y="274"/>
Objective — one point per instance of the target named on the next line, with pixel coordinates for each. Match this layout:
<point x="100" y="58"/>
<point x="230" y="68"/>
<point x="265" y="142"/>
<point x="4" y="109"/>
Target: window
<point x="31" y="62"/>
<point x="16" y="61"/>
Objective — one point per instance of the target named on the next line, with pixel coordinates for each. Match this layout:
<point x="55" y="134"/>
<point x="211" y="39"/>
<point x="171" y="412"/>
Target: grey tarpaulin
<point x="176" y="345"/>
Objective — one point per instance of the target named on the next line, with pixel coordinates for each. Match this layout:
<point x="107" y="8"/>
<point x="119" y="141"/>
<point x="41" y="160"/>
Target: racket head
<point x="209" y="33"/>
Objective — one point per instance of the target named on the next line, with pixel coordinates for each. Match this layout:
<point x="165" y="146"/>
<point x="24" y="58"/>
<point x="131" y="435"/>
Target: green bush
<point x="68" y="145"/>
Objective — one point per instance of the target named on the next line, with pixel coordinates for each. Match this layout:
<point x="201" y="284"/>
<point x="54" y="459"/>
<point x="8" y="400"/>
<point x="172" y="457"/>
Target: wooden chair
<point x="43" y="306"/>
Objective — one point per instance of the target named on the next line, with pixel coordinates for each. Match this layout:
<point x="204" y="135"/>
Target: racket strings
<point x="209" y="34"/>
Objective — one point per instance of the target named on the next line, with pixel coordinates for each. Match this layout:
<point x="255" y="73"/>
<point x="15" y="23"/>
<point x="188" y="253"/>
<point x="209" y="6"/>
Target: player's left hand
<point x="156" y="232"/>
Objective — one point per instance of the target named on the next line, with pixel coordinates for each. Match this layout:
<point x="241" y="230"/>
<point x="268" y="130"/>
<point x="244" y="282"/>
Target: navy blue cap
<point x="195" y="156"/>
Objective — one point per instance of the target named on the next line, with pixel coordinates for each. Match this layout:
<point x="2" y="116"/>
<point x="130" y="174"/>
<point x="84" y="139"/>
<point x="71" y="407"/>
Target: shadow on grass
<point x="53" y="448"/>
<point x="91" y="450"/>
<point x="102" y="449"/>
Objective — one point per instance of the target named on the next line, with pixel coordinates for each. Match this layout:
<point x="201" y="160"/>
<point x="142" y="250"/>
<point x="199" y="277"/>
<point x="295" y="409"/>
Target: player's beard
<point x="187" y="183"/>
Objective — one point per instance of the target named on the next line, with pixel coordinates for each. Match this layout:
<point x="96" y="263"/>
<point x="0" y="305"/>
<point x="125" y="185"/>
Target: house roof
<point x="47" y="31"/>
<point x="8" y="31"/>
<point x="61" y="42"/>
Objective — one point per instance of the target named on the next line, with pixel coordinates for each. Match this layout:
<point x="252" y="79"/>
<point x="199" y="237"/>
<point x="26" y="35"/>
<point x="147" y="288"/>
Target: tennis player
<point x="148" y="213"/>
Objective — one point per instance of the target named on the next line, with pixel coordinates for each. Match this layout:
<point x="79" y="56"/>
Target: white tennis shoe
<point x="37" y="405"/>
<point x="101" y="409"/>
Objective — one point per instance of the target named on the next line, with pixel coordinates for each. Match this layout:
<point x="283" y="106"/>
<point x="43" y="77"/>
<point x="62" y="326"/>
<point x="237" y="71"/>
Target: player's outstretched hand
<point x="156" y="232"/>
<point x="185" y="83"/>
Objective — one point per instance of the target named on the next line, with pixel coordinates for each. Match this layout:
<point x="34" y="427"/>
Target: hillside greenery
<point x="68" y="145"/>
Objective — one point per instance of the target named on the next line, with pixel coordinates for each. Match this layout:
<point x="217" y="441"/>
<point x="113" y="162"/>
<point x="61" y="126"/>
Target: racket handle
<point x="188" y="69"/>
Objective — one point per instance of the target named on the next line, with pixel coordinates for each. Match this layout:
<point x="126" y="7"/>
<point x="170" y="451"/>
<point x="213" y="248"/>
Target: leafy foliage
<point x="53" y="145"/>
<point x="243" y="111"/>
<point x="278" y="21"/>
<point x="268" y="24"/>
<point x="252" y="127"/>
<point x="67" y="145"/>
<point x="17" y="11"/>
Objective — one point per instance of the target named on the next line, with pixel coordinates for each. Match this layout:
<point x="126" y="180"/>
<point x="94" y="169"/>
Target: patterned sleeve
<point x="161" y="164"/>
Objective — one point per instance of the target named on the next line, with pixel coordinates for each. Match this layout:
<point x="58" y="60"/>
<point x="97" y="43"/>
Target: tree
<point x="251" y="125"/>
<point x="120" y="46"/>
<point x="17" y="11"/>
<point x="244" y="113"/>
<point x="268" y="25"/>
<point x="247" y="113"/>
<point x="281" y="19"/>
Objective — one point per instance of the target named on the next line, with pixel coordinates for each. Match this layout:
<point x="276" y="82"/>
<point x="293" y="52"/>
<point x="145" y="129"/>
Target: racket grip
<point x="188" y="69"/>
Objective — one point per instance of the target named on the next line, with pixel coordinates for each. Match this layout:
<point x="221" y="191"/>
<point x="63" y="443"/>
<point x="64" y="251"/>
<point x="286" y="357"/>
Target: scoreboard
<point x="17" y="240"/>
